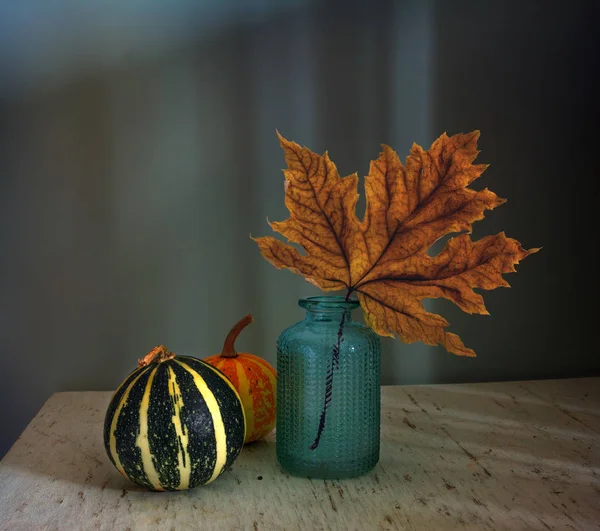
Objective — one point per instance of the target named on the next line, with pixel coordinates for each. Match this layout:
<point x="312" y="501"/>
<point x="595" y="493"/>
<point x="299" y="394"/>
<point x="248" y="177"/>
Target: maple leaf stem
<point x="334" y="364"/>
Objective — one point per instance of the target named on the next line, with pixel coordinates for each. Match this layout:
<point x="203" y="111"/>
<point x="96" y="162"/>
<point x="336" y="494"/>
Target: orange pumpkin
<point x="254" y="379"/>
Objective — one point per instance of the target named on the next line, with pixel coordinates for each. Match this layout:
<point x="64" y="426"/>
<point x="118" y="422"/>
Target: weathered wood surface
<point x="519" y="455"/>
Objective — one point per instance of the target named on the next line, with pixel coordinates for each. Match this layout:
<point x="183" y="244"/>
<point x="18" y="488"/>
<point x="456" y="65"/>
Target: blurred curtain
<point x="139" y="153"/>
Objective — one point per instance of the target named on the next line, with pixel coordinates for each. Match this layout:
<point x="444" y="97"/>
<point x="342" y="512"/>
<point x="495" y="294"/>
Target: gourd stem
<point x="228" y="347"/>
<point x="158" y="354"/>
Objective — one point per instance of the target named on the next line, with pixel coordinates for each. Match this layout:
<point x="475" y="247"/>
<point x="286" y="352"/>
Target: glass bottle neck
<point x="331" y="308"/>
<point x="326" y="316"/>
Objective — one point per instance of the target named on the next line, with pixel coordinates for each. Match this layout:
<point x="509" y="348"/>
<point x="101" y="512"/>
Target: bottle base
<point x="336" y="470"/>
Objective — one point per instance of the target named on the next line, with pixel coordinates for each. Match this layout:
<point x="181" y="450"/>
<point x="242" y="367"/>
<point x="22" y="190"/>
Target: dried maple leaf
<point x="383" y="258"/>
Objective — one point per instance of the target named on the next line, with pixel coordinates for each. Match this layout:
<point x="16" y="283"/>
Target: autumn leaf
<point x="383" y="258"/>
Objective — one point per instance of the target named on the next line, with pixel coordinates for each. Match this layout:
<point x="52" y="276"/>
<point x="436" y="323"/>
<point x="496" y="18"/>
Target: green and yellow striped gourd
<point x="175" y="423"/>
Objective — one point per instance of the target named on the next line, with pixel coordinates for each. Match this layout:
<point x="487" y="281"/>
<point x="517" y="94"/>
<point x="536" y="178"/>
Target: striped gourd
<point x="255" y="381"/>
<point x="174" y="423"/>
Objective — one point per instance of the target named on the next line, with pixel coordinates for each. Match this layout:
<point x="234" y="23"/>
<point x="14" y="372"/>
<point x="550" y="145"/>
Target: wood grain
<point x="518" y="455"/>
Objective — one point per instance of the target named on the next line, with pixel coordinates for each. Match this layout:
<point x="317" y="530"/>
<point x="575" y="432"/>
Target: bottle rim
<point x="331" y="303"/>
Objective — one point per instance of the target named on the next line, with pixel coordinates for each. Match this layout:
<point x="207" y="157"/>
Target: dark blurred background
<point x="138" y="151"/>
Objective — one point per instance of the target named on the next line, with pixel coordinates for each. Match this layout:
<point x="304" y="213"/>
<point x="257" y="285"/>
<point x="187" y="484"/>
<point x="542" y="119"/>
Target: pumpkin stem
<point x="158" y="354"/>
<point x="228" y="349"/>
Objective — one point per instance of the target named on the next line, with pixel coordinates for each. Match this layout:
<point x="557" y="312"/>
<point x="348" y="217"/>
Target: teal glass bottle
<point x="328" y="392"/>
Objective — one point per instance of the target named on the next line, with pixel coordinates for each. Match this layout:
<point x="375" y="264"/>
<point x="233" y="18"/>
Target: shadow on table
<point x="482" y="432"/>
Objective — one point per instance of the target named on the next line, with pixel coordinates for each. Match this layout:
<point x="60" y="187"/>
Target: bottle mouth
<point x="333" y="303"/>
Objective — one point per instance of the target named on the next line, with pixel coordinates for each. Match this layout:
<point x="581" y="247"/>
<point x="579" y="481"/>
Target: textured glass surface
<point x="349" y="443"/>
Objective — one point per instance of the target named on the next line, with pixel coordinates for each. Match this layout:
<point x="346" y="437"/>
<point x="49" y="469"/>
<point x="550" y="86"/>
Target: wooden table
<point x="519" y="455"/>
